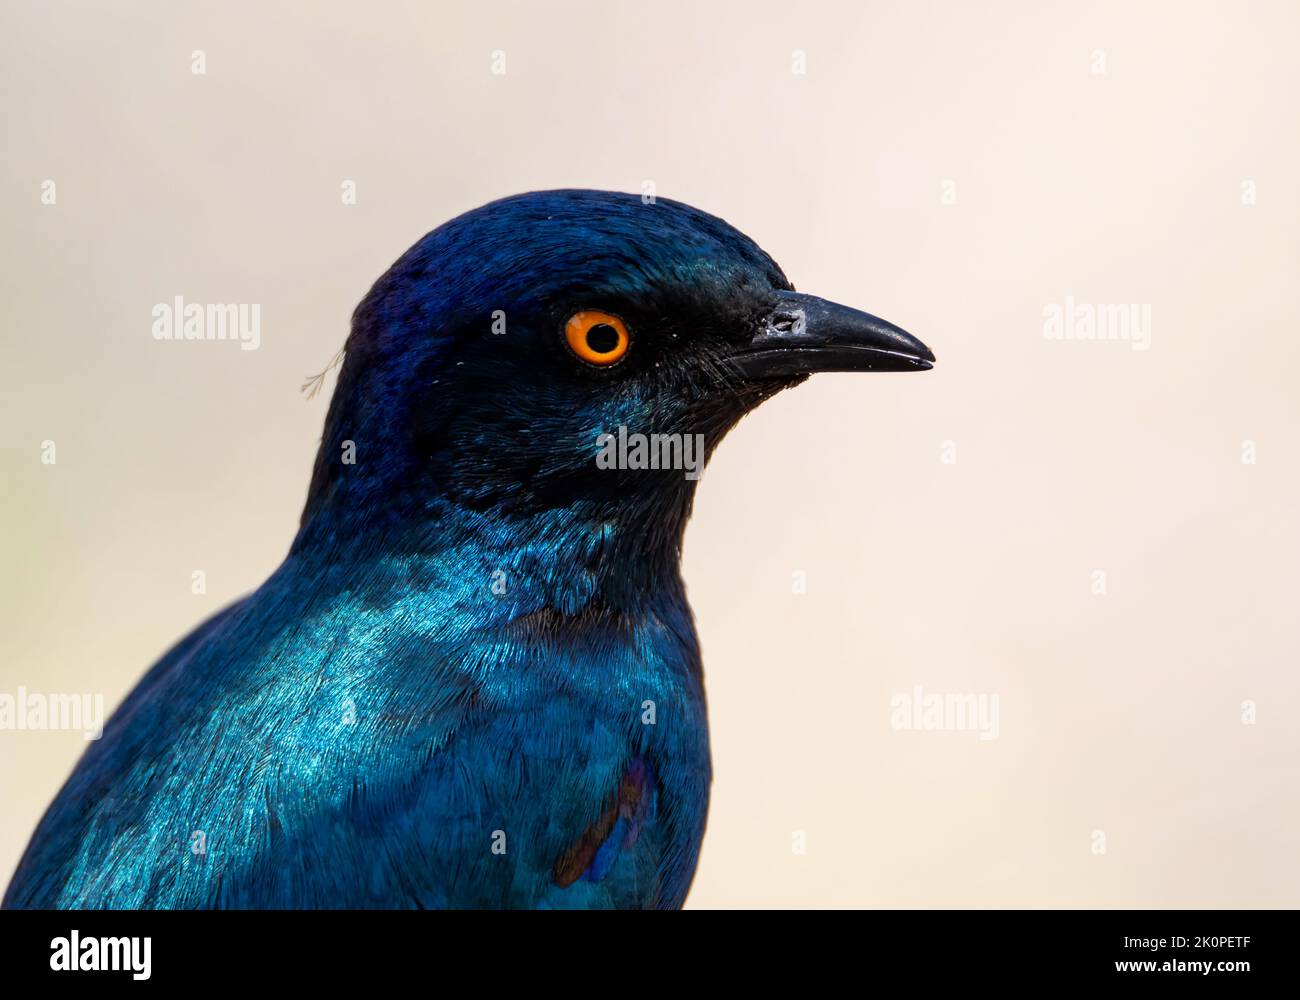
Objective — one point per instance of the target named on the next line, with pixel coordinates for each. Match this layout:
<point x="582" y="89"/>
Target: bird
<point x="475" y="680"/>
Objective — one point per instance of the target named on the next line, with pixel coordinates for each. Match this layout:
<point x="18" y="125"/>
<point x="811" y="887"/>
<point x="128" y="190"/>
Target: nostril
<point x="788" y="322"/>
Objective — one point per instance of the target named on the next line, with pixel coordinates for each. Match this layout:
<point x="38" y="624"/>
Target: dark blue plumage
<point x="474" y="681"/>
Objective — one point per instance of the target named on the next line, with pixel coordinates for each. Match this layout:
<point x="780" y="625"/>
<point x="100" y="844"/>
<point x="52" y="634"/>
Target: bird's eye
<point x="598" y="338"/>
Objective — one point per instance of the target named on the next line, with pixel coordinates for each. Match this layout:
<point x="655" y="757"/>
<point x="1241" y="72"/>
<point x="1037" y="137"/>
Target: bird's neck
<point x="507" y="564"/>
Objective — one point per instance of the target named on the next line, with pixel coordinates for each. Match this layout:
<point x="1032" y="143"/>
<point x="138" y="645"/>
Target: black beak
<point x="805" y="334"/>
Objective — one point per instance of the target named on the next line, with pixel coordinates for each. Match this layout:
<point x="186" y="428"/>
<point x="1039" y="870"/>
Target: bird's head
<point x="515" y="359"/>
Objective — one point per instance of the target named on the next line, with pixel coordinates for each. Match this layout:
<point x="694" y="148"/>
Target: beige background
<point x="1119" y="713"/>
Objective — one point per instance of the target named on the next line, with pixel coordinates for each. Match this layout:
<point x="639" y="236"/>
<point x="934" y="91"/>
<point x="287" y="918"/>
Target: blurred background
<point x="1102" y="537"/>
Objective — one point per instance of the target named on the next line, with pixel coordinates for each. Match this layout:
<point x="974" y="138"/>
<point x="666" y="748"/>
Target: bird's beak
<point x="805" y="334"/>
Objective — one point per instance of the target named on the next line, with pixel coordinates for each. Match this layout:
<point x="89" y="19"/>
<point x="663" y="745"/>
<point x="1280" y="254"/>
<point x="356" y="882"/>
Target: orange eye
<point x="599" y="338"/>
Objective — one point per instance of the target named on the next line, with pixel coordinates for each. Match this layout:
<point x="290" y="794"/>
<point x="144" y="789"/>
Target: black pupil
<point x="602" y="338"/>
